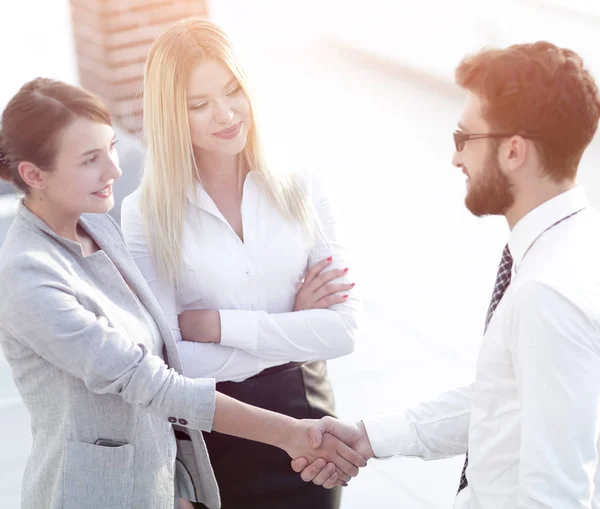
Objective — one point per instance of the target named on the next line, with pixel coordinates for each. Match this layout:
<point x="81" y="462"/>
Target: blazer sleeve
<point x="40" y="310"/>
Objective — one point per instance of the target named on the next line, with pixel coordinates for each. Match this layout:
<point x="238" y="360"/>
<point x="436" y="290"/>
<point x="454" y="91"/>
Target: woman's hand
<point x="200" y="325"/>
<point x="339" y="461"/>
<point x="354" y="435"/>
<point x="317" y="290"/>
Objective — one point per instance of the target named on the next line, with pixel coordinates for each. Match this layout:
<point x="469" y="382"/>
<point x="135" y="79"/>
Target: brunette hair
<point x="34" y="119"/>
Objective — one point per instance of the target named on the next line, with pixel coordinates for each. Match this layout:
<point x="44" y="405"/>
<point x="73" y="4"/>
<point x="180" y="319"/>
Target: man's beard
<point x="490" y="193"/>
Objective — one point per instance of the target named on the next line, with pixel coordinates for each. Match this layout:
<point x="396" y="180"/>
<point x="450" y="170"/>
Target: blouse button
<point x="249" y="274"/>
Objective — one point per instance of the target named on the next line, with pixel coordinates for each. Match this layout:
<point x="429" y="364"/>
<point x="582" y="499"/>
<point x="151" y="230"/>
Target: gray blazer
<point x="87" y="359"/>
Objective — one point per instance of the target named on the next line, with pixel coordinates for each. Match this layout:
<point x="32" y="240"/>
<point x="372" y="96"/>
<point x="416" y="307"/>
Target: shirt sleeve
<point x="198" y="360"/>
<point x="555" y="352"/>
<point x="432" y="430"/>
<point x="301" y="335"/>
<point x="40" y="310"/>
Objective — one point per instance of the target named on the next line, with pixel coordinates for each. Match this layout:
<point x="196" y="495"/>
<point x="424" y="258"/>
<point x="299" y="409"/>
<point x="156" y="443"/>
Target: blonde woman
<point x="245" y="262"/>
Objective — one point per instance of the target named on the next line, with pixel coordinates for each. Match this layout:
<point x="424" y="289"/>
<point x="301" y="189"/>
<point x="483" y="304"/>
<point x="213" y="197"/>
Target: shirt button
<point x="183" y="422"/>
<point x="172" y="420"/>
<point x="250" y="274"/>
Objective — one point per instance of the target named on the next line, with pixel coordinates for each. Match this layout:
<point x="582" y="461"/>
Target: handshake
<point x="339" y="450"/>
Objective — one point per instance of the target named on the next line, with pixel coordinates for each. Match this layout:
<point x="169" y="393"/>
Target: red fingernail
<point x="330" y="258"/>
<point x="352" y="284"/>
<point x="344" y="296"/>
<point x="346" y="269"/>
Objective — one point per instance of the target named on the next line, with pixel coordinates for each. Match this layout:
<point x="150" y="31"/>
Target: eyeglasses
<point x="461" y="138"/>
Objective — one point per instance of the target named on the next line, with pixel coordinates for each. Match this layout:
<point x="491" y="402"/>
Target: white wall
<point x="430" y="35"/>
<point x="36" y="40"/>
<point x="433" y="35"/>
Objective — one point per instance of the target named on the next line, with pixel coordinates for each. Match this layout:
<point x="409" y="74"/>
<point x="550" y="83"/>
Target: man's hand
<point x="200" y="325"/>
<point x="337" y="461"/>
<point x="353" y="435"/>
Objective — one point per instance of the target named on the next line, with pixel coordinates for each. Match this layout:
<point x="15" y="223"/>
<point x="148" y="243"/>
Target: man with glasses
<point x="530" y="422"/>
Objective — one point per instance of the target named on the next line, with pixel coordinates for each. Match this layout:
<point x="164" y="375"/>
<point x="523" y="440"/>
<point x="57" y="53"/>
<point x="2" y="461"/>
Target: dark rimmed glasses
<point x="461" y="138"/>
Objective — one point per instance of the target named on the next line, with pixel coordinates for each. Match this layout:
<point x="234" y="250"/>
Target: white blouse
<point x="252" y="284"/>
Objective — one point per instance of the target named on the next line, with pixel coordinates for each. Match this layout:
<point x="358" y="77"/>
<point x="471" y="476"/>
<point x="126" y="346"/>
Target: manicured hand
<point x="318" y="291"/>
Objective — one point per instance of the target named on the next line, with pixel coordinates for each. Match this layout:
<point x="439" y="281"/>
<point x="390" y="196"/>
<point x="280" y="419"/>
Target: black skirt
<point x="255" y="475"/>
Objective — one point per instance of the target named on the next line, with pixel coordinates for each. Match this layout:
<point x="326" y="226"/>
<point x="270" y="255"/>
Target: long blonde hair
<point x="170" y="169"/>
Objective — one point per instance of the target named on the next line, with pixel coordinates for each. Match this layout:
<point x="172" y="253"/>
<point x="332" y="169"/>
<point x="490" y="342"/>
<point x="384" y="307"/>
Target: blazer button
<point x="172" y="420"/>
<point x="183" y="422"/>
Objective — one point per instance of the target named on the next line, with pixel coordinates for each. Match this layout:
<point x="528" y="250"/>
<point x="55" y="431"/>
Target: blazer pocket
<point x="98" y="476"/>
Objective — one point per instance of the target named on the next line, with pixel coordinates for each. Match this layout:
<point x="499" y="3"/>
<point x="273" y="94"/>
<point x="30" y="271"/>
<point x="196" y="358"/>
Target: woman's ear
<point x="33" y="176"/>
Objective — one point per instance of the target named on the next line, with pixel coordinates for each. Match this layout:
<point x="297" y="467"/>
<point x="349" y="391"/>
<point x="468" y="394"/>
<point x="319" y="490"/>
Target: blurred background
<point x="363" y="93"/>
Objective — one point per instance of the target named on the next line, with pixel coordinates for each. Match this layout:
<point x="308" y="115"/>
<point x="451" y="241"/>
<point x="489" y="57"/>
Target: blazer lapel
<point x="107" y="238"/>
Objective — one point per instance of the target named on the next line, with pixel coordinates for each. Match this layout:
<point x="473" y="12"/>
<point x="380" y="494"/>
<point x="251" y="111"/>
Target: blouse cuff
<point x="239" y="329"/>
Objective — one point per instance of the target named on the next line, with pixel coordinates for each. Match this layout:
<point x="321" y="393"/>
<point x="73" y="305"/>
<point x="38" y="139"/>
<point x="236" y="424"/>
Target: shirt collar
<point x="536" y="222"/>
<point x="200" y="198"/>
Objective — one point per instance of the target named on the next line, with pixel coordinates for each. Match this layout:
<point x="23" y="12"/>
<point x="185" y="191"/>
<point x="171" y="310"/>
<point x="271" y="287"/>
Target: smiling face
<point x="84" y="169"/>
<point x="219" y="113"/>
<point x="489" y="191"/>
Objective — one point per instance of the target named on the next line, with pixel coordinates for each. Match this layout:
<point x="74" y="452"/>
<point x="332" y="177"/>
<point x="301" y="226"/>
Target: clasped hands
<point x="339" y="449"/>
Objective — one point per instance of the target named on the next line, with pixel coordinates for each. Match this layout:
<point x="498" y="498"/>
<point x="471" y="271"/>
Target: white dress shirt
<point x="532" y="417"/>
<point x="253" y="284"/>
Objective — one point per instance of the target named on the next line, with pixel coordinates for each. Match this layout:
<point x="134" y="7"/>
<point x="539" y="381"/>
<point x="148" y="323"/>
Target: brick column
<point x="112" y="39"/>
